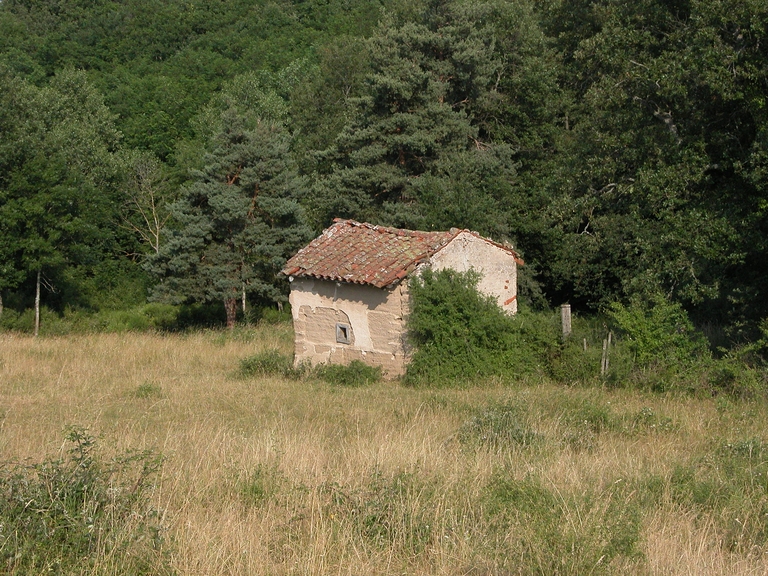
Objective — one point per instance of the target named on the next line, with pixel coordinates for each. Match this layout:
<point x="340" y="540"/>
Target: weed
<point x="585" y="411"/>
<point x="497" y="427"/>
<point x="269" y="363"/>
<point x="64" y="514"/>
<point x="274" y="363"/>
<point x="392" y="514"/>
<point x="148" y="390"/>
<point x="583" y="419"/>
<point x="647" y="420"/>
<point x="556" y="533"/>
<point x="389" y="512"/>
<point x="259" y="484"/>
<point x="356" y="373"/>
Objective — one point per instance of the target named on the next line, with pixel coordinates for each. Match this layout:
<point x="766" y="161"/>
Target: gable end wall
<point x="496" y="266"/>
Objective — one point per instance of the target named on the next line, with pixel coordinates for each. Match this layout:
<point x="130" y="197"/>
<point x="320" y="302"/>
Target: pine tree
<point x="237" y="222"/>
<point x="416" y="124"/>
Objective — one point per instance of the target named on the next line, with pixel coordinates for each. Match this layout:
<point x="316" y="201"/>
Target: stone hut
<point x="349" y="288"/>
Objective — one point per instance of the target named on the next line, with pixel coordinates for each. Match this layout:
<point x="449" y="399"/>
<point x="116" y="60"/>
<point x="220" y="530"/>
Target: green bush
<point x="460" y="335"/>
<point x="66" y="515"/>
<point x="269" y="363"/>
<point x="574" y="364"/>
<point x="658" y="331"/>
<point x="356" y="373"/>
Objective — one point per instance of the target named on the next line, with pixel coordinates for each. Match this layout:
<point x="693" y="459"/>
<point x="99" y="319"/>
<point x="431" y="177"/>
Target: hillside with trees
<point x="175" y="153"/>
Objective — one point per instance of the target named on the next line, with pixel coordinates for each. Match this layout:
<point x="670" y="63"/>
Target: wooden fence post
<point x="565" y="316"/>
<point x="605" y="360"/>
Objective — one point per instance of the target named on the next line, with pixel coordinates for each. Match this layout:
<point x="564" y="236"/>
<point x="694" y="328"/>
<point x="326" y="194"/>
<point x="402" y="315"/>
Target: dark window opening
<point x="343" y="333"/>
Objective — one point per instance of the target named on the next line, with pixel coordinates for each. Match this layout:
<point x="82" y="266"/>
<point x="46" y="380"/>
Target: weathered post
<point x="37" y="301"/>
<point x="605" y="361"/>
<point x="565" y="315"/>
<point x="604" y="358"/>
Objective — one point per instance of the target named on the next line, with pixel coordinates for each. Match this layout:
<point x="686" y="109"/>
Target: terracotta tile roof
<point x="360" y="253"/>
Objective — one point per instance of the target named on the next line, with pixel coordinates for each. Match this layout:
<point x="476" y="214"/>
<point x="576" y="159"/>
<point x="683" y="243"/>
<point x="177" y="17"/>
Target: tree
<point x="415" y="121"/>
<point x="57" y="176"/>
<point x="656" y="183"/>
<point x="14" y="97"/>
<point x="147" y="197"/>
<point x="237" y="222"/>
<point x="321" y="101"/>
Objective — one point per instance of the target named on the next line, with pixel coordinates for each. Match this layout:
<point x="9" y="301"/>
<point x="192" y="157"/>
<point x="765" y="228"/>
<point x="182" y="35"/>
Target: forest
<point x="158" y="159"/>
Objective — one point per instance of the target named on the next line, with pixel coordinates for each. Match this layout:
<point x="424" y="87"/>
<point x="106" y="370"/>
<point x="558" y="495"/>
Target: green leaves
<point x="462" y="336"/>
<point x="57" y="170"/>
<point x="426" y="81"/>
<point x="658" y="331"/>
<point x="237" y="222"/>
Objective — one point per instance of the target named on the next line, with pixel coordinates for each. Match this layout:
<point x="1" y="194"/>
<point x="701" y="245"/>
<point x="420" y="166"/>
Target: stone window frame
<point x="343" y="333"/>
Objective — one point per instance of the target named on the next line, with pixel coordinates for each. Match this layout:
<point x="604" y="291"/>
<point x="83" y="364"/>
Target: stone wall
<point x="375" y="318"/>
<point x="496" y="266"/>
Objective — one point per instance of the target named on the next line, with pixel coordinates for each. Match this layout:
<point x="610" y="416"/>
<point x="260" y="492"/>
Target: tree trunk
<point x="37" y="302"/>
<point x="230" y="305"/>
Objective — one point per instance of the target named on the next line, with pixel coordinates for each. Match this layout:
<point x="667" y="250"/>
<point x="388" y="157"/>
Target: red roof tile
<point x="362" y="253"/>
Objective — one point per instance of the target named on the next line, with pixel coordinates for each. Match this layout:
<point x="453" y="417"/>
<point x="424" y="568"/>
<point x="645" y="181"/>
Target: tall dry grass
<point x="271" y="476"/>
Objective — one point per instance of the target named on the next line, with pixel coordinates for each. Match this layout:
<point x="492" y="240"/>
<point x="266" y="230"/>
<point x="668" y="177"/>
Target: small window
<point x="343" y="333"/>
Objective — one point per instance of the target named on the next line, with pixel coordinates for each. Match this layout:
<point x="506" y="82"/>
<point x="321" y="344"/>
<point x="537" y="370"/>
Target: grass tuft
<point x="354" y="374"/>
<point x="498" y="427"/>
<point x="269" y="363"/>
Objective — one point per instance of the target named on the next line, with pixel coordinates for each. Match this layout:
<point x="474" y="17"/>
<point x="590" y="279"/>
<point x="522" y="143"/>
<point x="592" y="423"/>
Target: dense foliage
<point x="461" y="335"/>
<point x="621" y="146"/>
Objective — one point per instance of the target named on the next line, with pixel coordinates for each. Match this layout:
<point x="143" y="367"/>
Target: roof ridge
<point x="396" y="231"/>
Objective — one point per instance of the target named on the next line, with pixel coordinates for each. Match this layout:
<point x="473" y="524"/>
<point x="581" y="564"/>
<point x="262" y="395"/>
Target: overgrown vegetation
<point x="356" y="373"/>
<point x="275" y="363"/>
<point x="281" y="474"/>
<point x="81" y="513"/>
<point x="657" y="331"/>
<point x="269" y="363"/>
<point x="462" y="337"/>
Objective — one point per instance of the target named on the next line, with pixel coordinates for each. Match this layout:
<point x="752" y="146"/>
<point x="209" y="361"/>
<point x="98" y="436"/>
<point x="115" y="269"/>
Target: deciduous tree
<point x="57" y="176"/>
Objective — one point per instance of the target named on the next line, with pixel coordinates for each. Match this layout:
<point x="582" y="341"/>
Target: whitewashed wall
<point x="376" y="317"/>
<point x="496" y="266"/>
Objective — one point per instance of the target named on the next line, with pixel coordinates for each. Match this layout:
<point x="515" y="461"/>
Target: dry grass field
<point x="272" y="476"/>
